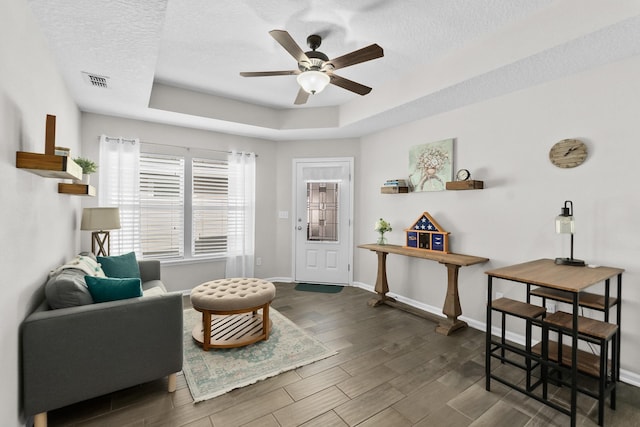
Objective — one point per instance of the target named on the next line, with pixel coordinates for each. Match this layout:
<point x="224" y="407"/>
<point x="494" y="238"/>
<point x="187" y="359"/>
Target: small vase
<point x="86" y="179"/>
<point x="382" y="240"/>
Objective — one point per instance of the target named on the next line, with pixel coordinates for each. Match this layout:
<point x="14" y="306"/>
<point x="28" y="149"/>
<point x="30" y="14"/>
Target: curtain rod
<point x="169" y="145"/>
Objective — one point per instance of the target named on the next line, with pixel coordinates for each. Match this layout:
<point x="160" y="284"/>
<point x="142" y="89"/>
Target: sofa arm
<point x="149" y="269"/>
<point x="77" y="353"/>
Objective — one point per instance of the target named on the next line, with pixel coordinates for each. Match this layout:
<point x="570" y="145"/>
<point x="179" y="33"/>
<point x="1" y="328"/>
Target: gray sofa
<point x="77" y="353"/>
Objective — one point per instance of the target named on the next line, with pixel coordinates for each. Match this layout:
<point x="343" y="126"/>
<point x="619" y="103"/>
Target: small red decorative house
<point x="427" y="234"/>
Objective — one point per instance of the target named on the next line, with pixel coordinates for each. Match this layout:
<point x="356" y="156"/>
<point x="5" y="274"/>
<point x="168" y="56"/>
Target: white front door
<point x="323" y="210"/>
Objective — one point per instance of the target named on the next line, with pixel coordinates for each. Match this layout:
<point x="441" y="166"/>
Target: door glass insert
<point x="322" y="211"/>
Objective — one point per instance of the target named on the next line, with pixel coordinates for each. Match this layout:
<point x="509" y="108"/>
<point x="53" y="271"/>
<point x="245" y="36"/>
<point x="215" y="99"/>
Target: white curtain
<point x="241" y="215"/>
<point x="119" y="187"/>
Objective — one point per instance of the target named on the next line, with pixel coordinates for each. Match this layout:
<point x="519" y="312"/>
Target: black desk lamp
<point x="566" y="225"/>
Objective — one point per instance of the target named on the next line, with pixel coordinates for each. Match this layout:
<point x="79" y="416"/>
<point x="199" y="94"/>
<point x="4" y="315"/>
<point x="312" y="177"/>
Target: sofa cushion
<point x="151" y="284"/>
<point x="105" y="289"/>
<point x="153" y="292"/>
<point x="67" y="288"/>
<point x="121" y="266"/>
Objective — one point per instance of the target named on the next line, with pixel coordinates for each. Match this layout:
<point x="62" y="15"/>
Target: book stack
<point x="394" y="186"/>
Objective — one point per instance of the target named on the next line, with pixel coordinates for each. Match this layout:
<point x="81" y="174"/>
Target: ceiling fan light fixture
<point x="313" y="81"/>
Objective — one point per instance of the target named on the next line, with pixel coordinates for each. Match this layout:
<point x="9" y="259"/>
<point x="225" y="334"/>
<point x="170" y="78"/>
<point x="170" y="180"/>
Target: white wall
<point x="505" y="142"/>
<point x="179" y="277"/>
<point x="39" y="225"/>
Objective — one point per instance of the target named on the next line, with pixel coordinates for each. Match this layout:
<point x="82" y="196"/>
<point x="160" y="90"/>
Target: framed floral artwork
<point x="431" y="165"/>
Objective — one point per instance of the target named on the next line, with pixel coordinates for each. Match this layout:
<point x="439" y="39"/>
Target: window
<point x="322" y="211"/>
<point x="209" y="201"/>
<point x="161" y="206"/>
<point x="180" y="203"/>
<point x="171" y="193"/>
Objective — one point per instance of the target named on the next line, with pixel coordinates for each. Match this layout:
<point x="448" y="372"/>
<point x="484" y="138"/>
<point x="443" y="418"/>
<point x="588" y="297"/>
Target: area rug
<point x="325" y="289"/>
<point x="218" y="371"/>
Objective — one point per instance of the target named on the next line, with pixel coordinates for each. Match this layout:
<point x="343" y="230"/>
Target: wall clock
<point x="568" y="153"/>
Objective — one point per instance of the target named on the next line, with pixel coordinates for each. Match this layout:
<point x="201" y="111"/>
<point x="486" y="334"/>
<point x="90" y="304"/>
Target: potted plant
<point x="88" y="167"/>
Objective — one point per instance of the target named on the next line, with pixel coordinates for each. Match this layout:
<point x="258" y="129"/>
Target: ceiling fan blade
<point x="357" y="56"/>
<point x="349" y="85"/>
<point x="302" y="97"/>
<point x="268" y="73"/>
<point x="287" y="42"/>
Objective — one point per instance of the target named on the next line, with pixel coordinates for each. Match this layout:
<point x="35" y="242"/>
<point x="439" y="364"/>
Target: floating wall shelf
<point x="76" y="189"/>
<point x="48" y="165"/>
<point x="465" y="185"/>
<point x="389" y="189"/>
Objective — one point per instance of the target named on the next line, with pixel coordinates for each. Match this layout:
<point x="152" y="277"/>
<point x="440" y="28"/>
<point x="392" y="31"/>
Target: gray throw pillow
<point x="67" y="288"/>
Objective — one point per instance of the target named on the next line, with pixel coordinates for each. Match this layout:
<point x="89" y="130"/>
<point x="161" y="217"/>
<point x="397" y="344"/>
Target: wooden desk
<point x="546" y="273"/>
<point x="453" y="262"/>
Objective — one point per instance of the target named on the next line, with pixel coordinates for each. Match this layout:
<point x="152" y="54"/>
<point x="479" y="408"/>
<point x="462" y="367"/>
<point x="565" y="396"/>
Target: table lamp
<point x="100" y="221"/>
<point x="566" y="225"/>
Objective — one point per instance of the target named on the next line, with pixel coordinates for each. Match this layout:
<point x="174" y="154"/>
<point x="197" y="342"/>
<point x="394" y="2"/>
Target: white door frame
<point x="294" y="200"/>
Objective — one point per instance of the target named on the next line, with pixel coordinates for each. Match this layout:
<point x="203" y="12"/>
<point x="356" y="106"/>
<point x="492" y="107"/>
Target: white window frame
<point x="162" y="220"/>
<point x="189" y="154"/>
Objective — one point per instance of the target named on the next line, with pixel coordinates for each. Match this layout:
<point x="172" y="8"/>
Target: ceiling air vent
<point x="96" y="80"/>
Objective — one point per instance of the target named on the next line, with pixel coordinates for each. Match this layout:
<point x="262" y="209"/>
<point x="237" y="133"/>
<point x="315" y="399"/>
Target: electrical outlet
<point x="258" y="261"/>
<point x="499" y="295"/>
<point x="551" y="307"/>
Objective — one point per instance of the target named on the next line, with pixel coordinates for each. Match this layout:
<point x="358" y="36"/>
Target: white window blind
<point x="210" y="199"/>
<point x="162" y="206"/>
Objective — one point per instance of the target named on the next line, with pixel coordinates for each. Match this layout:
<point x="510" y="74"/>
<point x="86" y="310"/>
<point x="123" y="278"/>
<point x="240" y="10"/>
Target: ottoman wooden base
<point x="229" y="330"/>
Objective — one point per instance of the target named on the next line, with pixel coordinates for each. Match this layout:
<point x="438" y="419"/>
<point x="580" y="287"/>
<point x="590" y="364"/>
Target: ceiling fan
<point x="315" y="69"/>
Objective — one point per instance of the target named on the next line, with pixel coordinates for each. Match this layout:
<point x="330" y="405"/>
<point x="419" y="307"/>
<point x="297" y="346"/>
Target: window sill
<point x="186" y="261"/>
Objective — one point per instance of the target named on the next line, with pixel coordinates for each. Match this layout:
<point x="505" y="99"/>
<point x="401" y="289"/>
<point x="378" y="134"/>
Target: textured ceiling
<point x="177" y="61"/>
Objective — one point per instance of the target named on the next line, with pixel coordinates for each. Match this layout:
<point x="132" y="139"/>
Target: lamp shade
<point x="564" y="222"/>
<point x="313" y="81"/>
<point x="100" y="219"/>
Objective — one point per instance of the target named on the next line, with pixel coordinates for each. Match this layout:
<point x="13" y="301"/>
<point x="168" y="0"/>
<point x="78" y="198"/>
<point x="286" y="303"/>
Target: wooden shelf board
<point x="518" y="308"/>
<point x="588" y="363"/>
<point x="391" y="189"/>
<point x="76" y="189"/>
<point x="48" y="165"/>
<point x="586" y="326"/>
<point x="465" y="185"/>
<point x="594" y="301"/>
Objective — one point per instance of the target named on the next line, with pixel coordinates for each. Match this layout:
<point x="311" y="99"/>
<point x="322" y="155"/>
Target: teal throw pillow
<point x="103" y="289"/>
<point x="122" y="266"/>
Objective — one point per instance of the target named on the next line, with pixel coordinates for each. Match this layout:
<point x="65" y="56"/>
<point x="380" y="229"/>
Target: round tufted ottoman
<point x="230" y="312"/>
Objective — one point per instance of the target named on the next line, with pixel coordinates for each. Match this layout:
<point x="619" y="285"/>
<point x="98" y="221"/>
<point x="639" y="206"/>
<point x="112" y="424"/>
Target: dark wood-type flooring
<point x="392" y="370"/>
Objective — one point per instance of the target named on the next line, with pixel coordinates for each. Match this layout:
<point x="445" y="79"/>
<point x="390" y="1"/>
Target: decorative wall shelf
<point x="48" y="165"/>
<point x="465" y="185"/>
<point x="76" y="189"/>
<point x="389" y="189"/>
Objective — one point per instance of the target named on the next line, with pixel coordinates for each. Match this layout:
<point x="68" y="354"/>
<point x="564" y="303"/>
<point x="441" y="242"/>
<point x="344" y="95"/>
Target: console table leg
<point x="382" y="286"/>
<point x="451" y="307"/>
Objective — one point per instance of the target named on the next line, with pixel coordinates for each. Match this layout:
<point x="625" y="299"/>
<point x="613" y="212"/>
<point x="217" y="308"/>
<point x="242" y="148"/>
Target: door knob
<point x="299" y="227"/>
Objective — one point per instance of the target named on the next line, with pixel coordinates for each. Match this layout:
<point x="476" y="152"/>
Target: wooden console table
<point x="453" y="262"/>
